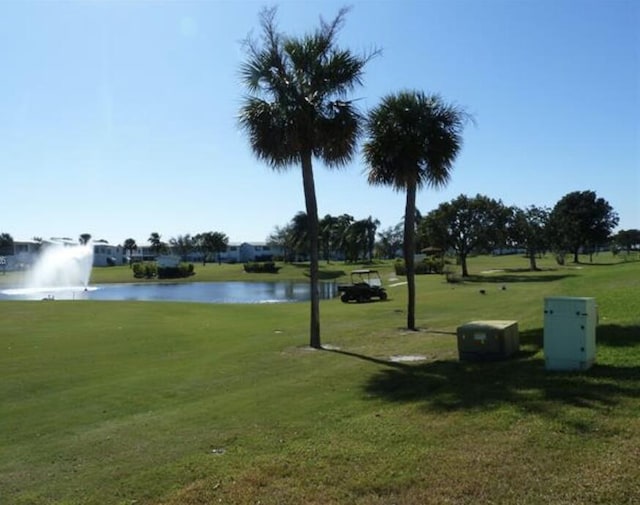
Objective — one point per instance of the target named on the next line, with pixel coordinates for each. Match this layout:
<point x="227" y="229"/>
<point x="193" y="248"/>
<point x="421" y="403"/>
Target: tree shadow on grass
<point x="507" y="278"/>
<point x="614" y="335"/>
<point x="522" y="381"/>
<point x="323" y="275"/>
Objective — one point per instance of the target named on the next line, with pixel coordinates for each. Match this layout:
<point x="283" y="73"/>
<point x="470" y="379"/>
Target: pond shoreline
<point x="243" y="292"/>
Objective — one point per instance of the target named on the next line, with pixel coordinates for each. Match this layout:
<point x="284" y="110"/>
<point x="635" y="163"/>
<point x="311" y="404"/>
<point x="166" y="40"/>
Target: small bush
<point x="429" y="265"/>
<point x="450" y="275"/>
<point x="267" y="267"/>
<point x="145" y="270"/>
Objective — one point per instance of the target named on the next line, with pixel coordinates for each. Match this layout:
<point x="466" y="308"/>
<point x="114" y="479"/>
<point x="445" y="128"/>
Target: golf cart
<point x="365" y="285"/>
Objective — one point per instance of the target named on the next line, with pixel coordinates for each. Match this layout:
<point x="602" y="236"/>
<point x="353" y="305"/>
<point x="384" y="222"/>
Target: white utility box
<point x="569" y="332"/>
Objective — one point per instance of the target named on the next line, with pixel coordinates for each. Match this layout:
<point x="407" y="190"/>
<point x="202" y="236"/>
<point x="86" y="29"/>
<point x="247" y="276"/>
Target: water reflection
<point x="206" y="292"/>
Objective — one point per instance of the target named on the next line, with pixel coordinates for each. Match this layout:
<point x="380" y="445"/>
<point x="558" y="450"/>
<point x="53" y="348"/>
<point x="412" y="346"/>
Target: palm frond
<point x="413" y="138"/>
<point x="297" y="94"/>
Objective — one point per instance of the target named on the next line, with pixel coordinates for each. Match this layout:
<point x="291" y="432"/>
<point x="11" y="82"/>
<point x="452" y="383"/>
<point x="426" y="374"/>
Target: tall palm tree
<point x="297" y="109"/>
<point x="412" y="140"/>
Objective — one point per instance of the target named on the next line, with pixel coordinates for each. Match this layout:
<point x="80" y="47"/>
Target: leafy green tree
<point x="281" y="238"/>
<point x="84" y="238"/>
<point x="182" y="244"/>
<point x="528" y="229"/>
<point x="297" y="109"/>
<point x="413" y="140"/>
<point x="390" y="241"/>
<point x="467" y="225"/>
<point x="581" y="221"/>
<point x="627" y="240"/>
<point x="213" y="242"/>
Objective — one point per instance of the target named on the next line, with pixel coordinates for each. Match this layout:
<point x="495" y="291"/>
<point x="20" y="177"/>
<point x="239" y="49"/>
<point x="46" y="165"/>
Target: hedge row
<point x="267" y="267"/>
<point x="150" y="270"/>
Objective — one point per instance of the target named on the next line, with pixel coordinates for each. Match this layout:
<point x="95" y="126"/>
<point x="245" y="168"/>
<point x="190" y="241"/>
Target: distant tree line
<point x="580" y="222"/>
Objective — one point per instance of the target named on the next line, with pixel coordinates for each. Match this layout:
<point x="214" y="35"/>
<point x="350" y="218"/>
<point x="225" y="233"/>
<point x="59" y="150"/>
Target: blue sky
<point x="118" y="118"/>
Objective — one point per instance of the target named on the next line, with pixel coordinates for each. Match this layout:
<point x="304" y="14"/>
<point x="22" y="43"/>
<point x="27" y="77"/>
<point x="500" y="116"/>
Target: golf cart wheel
<point x="383" y="296"/>
<point x="345" y="298"/>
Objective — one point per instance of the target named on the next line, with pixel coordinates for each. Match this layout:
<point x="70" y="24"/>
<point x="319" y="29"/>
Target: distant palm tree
<point x="299" y="234"/>
<point x="6" y="244"/>
<point x="412" y="140"/>
<point x="84" y="238"/>
<point x="297" y="109"/>
<point x="182" y="244"/>
<point x="371" y="227"/>
<point x="156" y="244"/>
<point x="327" y="234"/>
<point x="130" y="246"/>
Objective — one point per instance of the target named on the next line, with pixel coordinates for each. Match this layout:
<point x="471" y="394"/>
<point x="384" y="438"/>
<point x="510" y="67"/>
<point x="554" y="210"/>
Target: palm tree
<point x="183" y="245"/>
<point x="130" y="246"/>
<point x="156" y="245"/>
<point x="327" y="233"/>
<point x="371" y="226"/>
<point x="412" y="140"/>
<point x="297" y="109"/>
<point x="299" y="238"/>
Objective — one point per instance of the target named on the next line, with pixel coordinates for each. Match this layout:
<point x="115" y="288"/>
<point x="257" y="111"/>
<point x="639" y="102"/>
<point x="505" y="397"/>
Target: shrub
<point x="430" y="265"/>
<point x="182" y="270"/>
<point x="267" y="267"/>
<point x="145" y="270"/>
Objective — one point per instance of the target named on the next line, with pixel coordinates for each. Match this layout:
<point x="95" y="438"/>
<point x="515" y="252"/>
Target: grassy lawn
<point x="183" y="404"/>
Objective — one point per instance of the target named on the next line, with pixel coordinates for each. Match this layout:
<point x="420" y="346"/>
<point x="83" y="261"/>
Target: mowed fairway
<point x="182" y="404"/>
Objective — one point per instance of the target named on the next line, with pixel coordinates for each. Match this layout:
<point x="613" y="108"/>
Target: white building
<point x="106" y="255"/>
<point x="254" y="251"/>
<point x="25" y="253"/>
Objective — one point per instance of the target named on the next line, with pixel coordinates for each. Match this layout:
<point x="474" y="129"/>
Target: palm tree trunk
<point x="409" y="253"/>
<point x="312" y="216"/>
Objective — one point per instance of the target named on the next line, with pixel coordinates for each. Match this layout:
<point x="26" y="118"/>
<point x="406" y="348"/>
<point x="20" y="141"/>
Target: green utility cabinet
<point x="487" y="340"/>
<point x="569" y="332"/>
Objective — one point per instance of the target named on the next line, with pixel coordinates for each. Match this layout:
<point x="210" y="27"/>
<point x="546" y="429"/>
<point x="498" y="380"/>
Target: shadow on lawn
<point x="522" y="381"/>
<point x="614" y="335"/>
<point x="510" y="277"/>
<point x="323" y="275"/>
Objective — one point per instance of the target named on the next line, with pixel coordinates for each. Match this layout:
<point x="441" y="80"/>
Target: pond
<point x="205" y="292"/>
